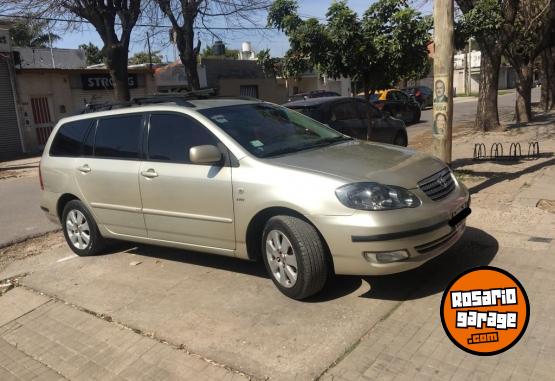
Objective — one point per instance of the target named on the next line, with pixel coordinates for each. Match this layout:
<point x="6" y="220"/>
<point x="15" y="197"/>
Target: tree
<point x="184" y="14"/>
<point x="388" y="43"/>
<point x="547" y="78"/>
<point x="490" y="22"/>
<point x="143" y="57"/>
<point x="93" y="53"/>
<point x="533" y="25"/>
<point x="271" y="66"/>
<point x="29" y="32"/>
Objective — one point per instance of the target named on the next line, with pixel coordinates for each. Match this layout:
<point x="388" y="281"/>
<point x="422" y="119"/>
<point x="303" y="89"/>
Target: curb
<point x="28" y="237"/>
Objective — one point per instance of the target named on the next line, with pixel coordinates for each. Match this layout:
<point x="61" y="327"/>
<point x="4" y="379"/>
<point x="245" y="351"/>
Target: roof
<point x="108" y="109"/>
<point x="314" y="101"/>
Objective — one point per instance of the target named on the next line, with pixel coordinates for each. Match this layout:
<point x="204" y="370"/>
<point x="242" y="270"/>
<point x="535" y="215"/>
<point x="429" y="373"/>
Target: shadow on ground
<point x="475" y="248"/>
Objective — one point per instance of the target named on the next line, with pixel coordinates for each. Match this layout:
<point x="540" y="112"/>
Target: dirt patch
<point x="30" y="248"/>
<point x="8" y="174"/>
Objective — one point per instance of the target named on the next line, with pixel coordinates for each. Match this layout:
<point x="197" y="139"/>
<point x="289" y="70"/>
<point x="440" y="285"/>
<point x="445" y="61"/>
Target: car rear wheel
<point x="80" y="230"/>
<point x="294" y="256"/>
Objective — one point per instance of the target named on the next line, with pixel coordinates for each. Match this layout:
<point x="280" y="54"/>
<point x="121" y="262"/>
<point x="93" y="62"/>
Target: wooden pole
<point x="442" y="129"/>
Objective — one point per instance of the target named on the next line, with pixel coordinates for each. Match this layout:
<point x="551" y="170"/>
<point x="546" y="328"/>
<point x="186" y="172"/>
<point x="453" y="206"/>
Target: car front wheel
<point x="294" y="256"/>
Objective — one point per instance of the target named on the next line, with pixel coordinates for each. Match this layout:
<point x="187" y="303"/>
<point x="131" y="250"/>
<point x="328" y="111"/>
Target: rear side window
<point x="69" y="138"/>
<point x="118" y="137"/>
<point x="171" y="136"/>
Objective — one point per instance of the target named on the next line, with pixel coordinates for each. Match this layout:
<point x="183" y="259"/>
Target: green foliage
<point x="387" y="44"/>
<point x="228" y="53"/>
<point x="143" y="58"/>
<point x="93" y="53"/>
<point x="272" y="67"/>
<point x="482" y="21"/>
<point x="29" y="32"/>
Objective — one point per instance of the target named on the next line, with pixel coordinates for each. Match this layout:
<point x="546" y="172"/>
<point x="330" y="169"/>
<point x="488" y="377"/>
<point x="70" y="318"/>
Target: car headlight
<point x="374" y="196"/>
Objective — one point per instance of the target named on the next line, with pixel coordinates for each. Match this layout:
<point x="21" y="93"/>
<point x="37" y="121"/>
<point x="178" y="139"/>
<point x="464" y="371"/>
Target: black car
<point x="312" y="94"/>
<point x="350" y="117"/>
<point x="423" y="95"/>
<point x="399" y="105"/>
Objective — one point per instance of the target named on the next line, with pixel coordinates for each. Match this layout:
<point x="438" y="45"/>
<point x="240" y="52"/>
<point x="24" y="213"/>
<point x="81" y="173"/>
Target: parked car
<point x="422" y="94"/>
<point x="350" y="117"/>
<point x="312" y="94"/>
<point x="251" y="180"/>
<point x="398" y="104"/>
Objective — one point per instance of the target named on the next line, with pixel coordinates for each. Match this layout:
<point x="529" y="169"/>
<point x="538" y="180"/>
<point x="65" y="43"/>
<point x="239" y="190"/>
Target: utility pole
<point x="442" y="130"/>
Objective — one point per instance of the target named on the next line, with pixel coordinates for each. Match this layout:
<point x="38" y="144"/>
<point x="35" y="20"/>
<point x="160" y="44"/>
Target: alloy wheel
<point x="78" y="229"/>
<point x="281" y="258"/>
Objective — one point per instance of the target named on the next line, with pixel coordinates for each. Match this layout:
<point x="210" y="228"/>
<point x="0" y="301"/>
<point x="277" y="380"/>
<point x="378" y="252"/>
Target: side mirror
<point x="206" y="154"/>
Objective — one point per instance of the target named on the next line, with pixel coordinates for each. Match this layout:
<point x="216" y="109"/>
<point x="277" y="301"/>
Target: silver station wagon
<point x="252" y="180"/>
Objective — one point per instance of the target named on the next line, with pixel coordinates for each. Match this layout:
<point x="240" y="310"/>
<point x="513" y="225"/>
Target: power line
<point x="139" y="25"/>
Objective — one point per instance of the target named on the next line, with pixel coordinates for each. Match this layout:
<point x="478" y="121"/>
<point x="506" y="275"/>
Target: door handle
<point x="84" y="168"/>
<point x="149" y="174"/>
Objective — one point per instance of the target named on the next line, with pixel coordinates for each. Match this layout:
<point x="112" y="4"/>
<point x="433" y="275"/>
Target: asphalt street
<point x="20" y="214"/>
<point x="465" y="111"/>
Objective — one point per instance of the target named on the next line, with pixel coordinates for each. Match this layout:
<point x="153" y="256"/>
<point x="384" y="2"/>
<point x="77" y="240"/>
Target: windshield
<point x="266" y="130"/>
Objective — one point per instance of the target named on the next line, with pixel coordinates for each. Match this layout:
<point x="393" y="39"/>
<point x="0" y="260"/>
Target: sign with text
<point x="104" y="81"/>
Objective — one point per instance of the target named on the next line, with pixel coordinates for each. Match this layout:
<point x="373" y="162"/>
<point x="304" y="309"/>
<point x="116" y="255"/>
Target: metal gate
<point x="42" y="119"/>
<point x="10" y="139"/>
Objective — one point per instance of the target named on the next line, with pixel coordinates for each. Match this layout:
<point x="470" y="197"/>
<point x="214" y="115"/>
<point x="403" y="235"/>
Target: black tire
<point x="312" y="266"/>
<point x="417" y="115"/>
<point x="400" y="139"/>
<point x="96" y="242"/>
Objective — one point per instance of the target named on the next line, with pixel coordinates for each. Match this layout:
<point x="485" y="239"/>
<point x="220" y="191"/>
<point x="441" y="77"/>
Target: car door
<point x="107" y="173"/>
<point x="345" y="118"/>
<point x="405" y="106"/>
<point x="185" y="202"/>
<point x="380" y="128"/>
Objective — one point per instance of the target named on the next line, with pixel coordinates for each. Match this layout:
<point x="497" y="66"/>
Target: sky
<point x="273" y="40"/>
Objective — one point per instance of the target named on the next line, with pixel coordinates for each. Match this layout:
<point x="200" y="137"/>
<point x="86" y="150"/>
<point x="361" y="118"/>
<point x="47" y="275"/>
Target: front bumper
<point x="423" y="232"/>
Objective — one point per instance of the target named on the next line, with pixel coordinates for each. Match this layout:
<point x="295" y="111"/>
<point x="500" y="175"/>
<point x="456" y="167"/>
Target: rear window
<point x="118" y="137"/>
<point x="69" y="138"/>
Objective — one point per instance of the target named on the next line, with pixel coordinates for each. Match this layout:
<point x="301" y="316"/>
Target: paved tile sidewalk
<point x="78" y="345"/>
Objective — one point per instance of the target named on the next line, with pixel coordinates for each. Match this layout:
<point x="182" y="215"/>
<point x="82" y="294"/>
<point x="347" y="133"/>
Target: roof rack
<point x="178" y="98"/>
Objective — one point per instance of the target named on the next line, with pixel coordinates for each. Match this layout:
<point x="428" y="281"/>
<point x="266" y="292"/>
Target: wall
<point x="268" y="89"/>
<point x="65" y="97"/>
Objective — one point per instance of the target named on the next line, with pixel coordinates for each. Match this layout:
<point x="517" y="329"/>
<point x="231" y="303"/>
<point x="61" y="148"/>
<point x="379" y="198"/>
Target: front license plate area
<point x="459" y="215"/>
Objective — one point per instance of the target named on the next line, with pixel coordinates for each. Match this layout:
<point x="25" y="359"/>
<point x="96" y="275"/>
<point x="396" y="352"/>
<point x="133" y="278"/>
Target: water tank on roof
<point x="219" y="48"/>
<point x="246" y="47"/>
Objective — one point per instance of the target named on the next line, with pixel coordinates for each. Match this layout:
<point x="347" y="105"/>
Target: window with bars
<point x="41" y="110"/>
<point x="249" y="91"/>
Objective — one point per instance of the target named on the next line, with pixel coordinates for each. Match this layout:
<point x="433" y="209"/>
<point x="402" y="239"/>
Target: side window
<point x="343" y="111"/>
<point x="392" y="96"/>
<point x="118" y="137"/>
<point x="171" y="136"/>
<point x="69" y="138"/>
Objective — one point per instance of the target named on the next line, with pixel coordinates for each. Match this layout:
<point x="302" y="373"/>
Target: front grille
<point x="438" y="185"/>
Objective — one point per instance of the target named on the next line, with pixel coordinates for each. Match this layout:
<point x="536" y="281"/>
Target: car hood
<point x="365" y="161"/>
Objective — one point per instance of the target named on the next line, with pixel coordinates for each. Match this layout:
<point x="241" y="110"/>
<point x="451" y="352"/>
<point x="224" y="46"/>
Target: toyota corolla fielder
<point x="252" y="180"/>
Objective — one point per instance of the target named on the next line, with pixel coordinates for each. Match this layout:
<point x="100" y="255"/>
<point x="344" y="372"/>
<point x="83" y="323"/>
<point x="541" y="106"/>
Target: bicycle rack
<point x="496" y="152"/>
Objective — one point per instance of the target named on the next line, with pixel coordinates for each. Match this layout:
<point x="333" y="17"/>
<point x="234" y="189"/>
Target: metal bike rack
<point x="496" y="152"/>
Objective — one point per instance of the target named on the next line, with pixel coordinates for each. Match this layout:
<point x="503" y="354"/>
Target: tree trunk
<point x="116" y="61"/>
<point x="188" y="53"/>
<point x="547" y="78"/>
<point x="523" y="107"/>
<point x="487" y="117"/>
<point x="368" y="112"/>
